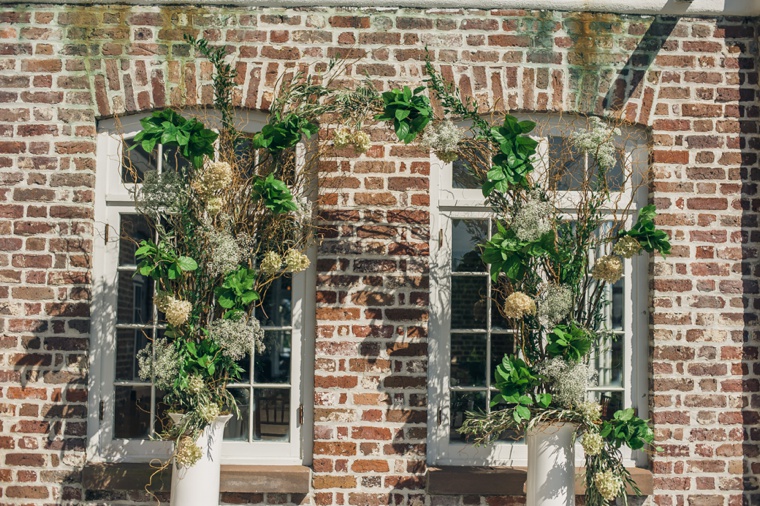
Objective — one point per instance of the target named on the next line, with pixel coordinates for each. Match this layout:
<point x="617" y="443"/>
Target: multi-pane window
<point x="130" y="409"/>
<point x="469" y="336"/>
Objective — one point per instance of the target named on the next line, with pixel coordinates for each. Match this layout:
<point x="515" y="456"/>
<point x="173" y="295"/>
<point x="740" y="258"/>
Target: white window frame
<point x="114" y="198"/>
<point x="448" y="203"/>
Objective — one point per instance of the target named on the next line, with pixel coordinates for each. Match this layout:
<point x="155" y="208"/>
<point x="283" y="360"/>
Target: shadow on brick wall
<point x="742" y="117"/>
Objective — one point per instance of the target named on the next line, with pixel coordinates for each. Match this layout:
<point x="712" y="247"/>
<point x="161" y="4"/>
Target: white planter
<point x="551" y="465"/>
<point x="199" y="485"/>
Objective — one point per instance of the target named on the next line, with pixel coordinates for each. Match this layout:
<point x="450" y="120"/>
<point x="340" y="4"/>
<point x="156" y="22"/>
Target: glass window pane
<point x="173" y="160"/>
<point x="276" y="308"/>
<point x="462" y="176"/>
<point x="133" y="229"/>
<point x="617" y="308"/>
<point x="461" y="403"/>
<point x="468" y="360"/>
<point x="136" y="162"/>
<point x="271" y="417"/>
<point x="128" y="343"/>
<point x="609" y="362"/>
<point x="273" y="365"/>
<point x="135" y="298"/>
<point x="237" y="428"/>
<point x="132" y="412"/>
<point x="468" y="302"/>
<point x="501" y="344"/>
<point x="465" y="253"/>
<point x="567" y="167"/>
<point x="610" y="401"/>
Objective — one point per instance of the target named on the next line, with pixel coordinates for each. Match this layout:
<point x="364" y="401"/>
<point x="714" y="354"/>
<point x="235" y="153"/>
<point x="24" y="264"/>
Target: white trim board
<point x="700" y="8"/>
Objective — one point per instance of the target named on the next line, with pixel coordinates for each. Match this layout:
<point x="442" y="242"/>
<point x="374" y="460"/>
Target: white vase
<point x="198" y="485"/>
<point x="551" y="465"/>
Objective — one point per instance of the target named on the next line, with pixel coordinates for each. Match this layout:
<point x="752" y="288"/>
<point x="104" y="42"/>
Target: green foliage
<point x="168" y="128"/>
<point x="409" y="111"/>
<point x="508" y="254"/>
<point x="275" y="194"/>
<point x="237" y="291"/>
<point x="513" y="162"/>
<point x="569" y="342"/>
<point x="283" y="133"/>
<point x="161" y="262"/>
<point x="627" y="429"/>
<point x="514" y="379"/>
<point x="223" y="78"/>
<point x="648" y="236"/>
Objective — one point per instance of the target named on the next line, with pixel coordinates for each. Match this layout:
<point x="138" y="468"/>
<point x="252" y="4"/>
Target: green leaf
<point x="187" y="264"/>
<point x="523" y="412"/>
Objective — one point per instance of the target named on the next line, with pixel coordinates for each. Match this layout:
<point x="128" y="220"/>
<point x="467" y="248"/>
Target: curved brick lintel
<point x="654" y="7"/>
<point x="508" y="481"/>
<point x="236" y="479"/>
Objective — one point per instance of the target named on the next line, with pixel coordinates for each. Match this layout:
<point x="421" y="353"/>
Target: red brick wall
<point x="692" y="82"/>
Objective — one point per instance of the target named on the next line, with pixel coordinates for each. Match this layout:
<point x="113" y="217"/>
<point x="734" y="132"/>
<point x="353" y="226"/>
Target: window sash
<point x="450" y="203"/>
<point x="114" y="200"/>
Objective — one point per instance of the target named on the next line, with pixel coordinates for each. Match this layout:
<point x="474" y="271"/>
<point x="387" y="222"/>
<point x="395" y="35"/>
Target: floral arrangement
<point x="233" y="217"/>
<point x="549" y="265"/>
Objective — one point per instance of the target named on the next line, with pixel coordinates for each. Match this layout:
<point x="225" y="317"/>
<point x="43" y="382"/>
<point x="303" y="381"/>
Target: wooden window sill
<point x="236" y="479"/>
<point x="470" y="480"/>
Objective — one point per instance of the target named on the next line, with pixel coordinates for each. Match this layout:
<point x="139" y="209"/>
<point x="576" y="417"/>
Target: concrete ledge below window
<point x="238" y="479"/>
<point x="464" y="480"/>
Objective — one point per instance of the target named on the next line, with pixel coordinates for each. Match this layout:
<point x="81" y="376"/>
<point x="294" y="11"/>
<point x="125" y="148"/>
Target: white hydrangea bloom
<point x="533" y="219"/>
<point x="187" y="453"/>
<point x="177" y="311"/>
<point x="443" y="138"/>
<point x="592" y="443"/>
<point x="608" y="268"/>
<point x="597" y="141"/>
<point x="158" y="362"/>
<point x="518" y="305"/>
<point x="208" y="411"/>
<point x="590" y="410"/>
<point x="627" y="247"/>
<point x="361" y="141"/>
<point x="554" y="303"/>
<point x="342" y="138"/>
<point x="212" y="178"/>
<point x="271" y="263"/>
<point x="295" y="261"/>
<point x="195" y="384"/>
<point x="224" y="254"/>
<point x="608" y="485"/>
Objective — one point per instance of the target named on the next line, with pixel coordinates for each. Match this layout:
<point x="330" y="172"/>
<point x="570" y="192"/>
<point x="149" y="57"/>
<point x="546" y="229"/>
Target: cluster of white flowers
<point x="518" y="305"/>
<point x="590" y="410"/>
<point x="271" y="263"/>
<point x="161" y="193"/>
<point x="443" y="138"/>
<point x="533" y="219"/>
<point x="627" y="247"/>
<point x="177" y="311"/>
<point x="597" y="141"/>
<point x="554" y="303"/>
<point x="224" y="252"/>
<point x="208" y="411"/>
<point x="608" y="268"/>
<point x="569" y="380"/>
<point x="195" y="384"/>
<point x="188" y="453"/>
<point x="592" y="443"/>
<point x="237" y="338"/>
<point x="158" y="362"/>
<point x="209" y="181"/>
<point x="344" y="137"/>
<point x="295" y="261"/>
<point x="608" y="485"/>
